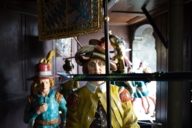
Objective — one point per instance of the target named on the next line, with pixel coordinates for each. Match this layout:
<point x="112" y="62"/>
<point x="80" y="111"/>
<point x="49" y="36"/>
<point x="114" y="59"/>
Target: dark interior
<point x="21" y="49"/>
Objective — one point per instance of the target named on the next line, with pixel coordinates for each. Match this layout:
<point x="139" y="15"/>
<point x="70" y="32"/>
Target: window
<point x="144" y="59"/>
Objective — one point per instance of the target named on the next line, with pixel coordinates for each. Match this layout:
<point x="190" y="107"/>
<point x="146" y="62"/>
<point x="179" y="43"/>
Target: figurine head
<point x="89" y="53"/>
<point x="44" y="80"/>
<point x="44" y="86"/>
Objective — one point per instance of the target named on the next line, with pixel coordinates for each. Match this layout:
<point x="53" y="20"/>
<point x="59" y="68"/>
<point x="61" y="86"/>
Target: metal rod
<point x="151" y="123"/>
<point x="78" y="42"/>
<point x="106" y="33"/>
<point x="173" y="76"/>
<point x="130" y="12"/>
<point x="165" y="42"/>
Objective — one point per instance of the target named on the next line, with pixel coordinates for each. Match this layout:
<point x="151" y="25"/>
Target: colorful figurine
<point x="141" y="92"/>
<point x="46" y="108"/>
<point x="87" y="106"/>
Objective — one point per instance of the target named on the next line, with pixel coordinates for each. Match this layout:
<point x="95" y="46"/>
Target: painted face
<point x="44" y="86"/>
<point x="96" y="66"/>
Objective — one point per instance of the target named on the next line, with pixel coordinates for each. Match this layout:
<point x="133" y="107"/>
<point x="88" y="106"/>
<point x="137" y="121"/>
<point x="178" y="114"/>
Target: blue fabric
<point x="138" y="89"/>
<point x="52" y="112"/>
<point x="141" y="89"/>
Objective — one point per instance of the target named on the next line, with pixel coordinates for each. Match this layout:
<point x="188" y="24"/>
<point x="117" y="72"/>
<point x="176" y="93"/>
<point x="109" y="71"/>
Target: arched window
<point x="144" y="59"/>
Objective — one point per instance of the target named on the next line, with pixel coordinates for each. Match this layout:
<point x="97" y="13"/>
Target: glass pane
<point x="144" y="58"/>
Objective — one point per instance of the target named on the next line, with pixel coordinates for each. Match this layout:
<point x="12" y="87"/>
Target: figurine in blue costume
<point x="46" y="107"/>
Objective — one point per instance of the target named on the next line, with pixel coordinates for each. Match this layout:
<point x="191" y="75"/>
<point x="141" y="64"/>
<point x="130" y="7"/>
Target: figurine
<point x="141" y="91"/>
<point x="87" y="106"/>
<point x="68" y="66"/>
<point x="46" y="108"/>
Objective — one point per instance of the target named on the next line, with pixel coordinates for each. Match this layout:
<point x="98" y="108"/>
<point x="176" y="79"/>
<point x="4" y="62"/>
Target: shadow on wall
<point x="30" y="51"/>
<point x="12" y="114"/>
<point x="3" y="82"/>
<point x="17" y="65"/>
<point x="31" y="48"/>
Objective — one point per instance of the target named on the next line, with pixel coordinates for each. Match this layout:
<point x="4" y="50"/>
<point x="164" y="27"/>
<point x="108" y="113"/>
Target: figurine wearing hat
<point x="87" y="106"/>
<point x="44" y="104"/>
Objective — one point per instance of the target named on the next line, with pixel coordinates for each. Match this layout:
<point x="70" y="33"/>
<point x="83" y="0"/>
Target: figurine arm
<point x="63" y="109"/>
<point x="72" y="113"/>
<point x="130" y="119"/>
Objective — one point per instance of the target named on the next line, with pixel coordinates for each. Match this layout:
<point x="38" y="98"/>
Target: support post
<point x="106" y="33"/>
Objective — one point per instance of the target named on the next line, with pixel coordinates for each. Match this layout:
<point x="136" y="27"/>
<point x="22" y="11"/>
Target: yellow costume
<point x="82" y="106"/>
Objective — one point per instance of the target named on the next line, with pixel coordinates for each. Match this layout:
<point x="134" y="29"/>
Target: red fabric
<point x="44" y="67"/>
<point x="125" y="96"/>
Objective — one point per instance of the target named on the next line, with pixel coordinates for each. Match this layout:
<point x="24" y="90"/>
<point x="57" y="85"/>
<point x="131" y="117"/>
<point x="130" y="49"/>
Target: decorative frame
<point x="68" y="18"/>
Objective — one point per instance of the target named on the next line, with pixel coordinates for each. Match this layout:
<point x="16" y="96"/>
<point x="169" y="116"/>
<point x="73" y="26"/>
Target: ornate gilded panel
<point x="68" y="18"/>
